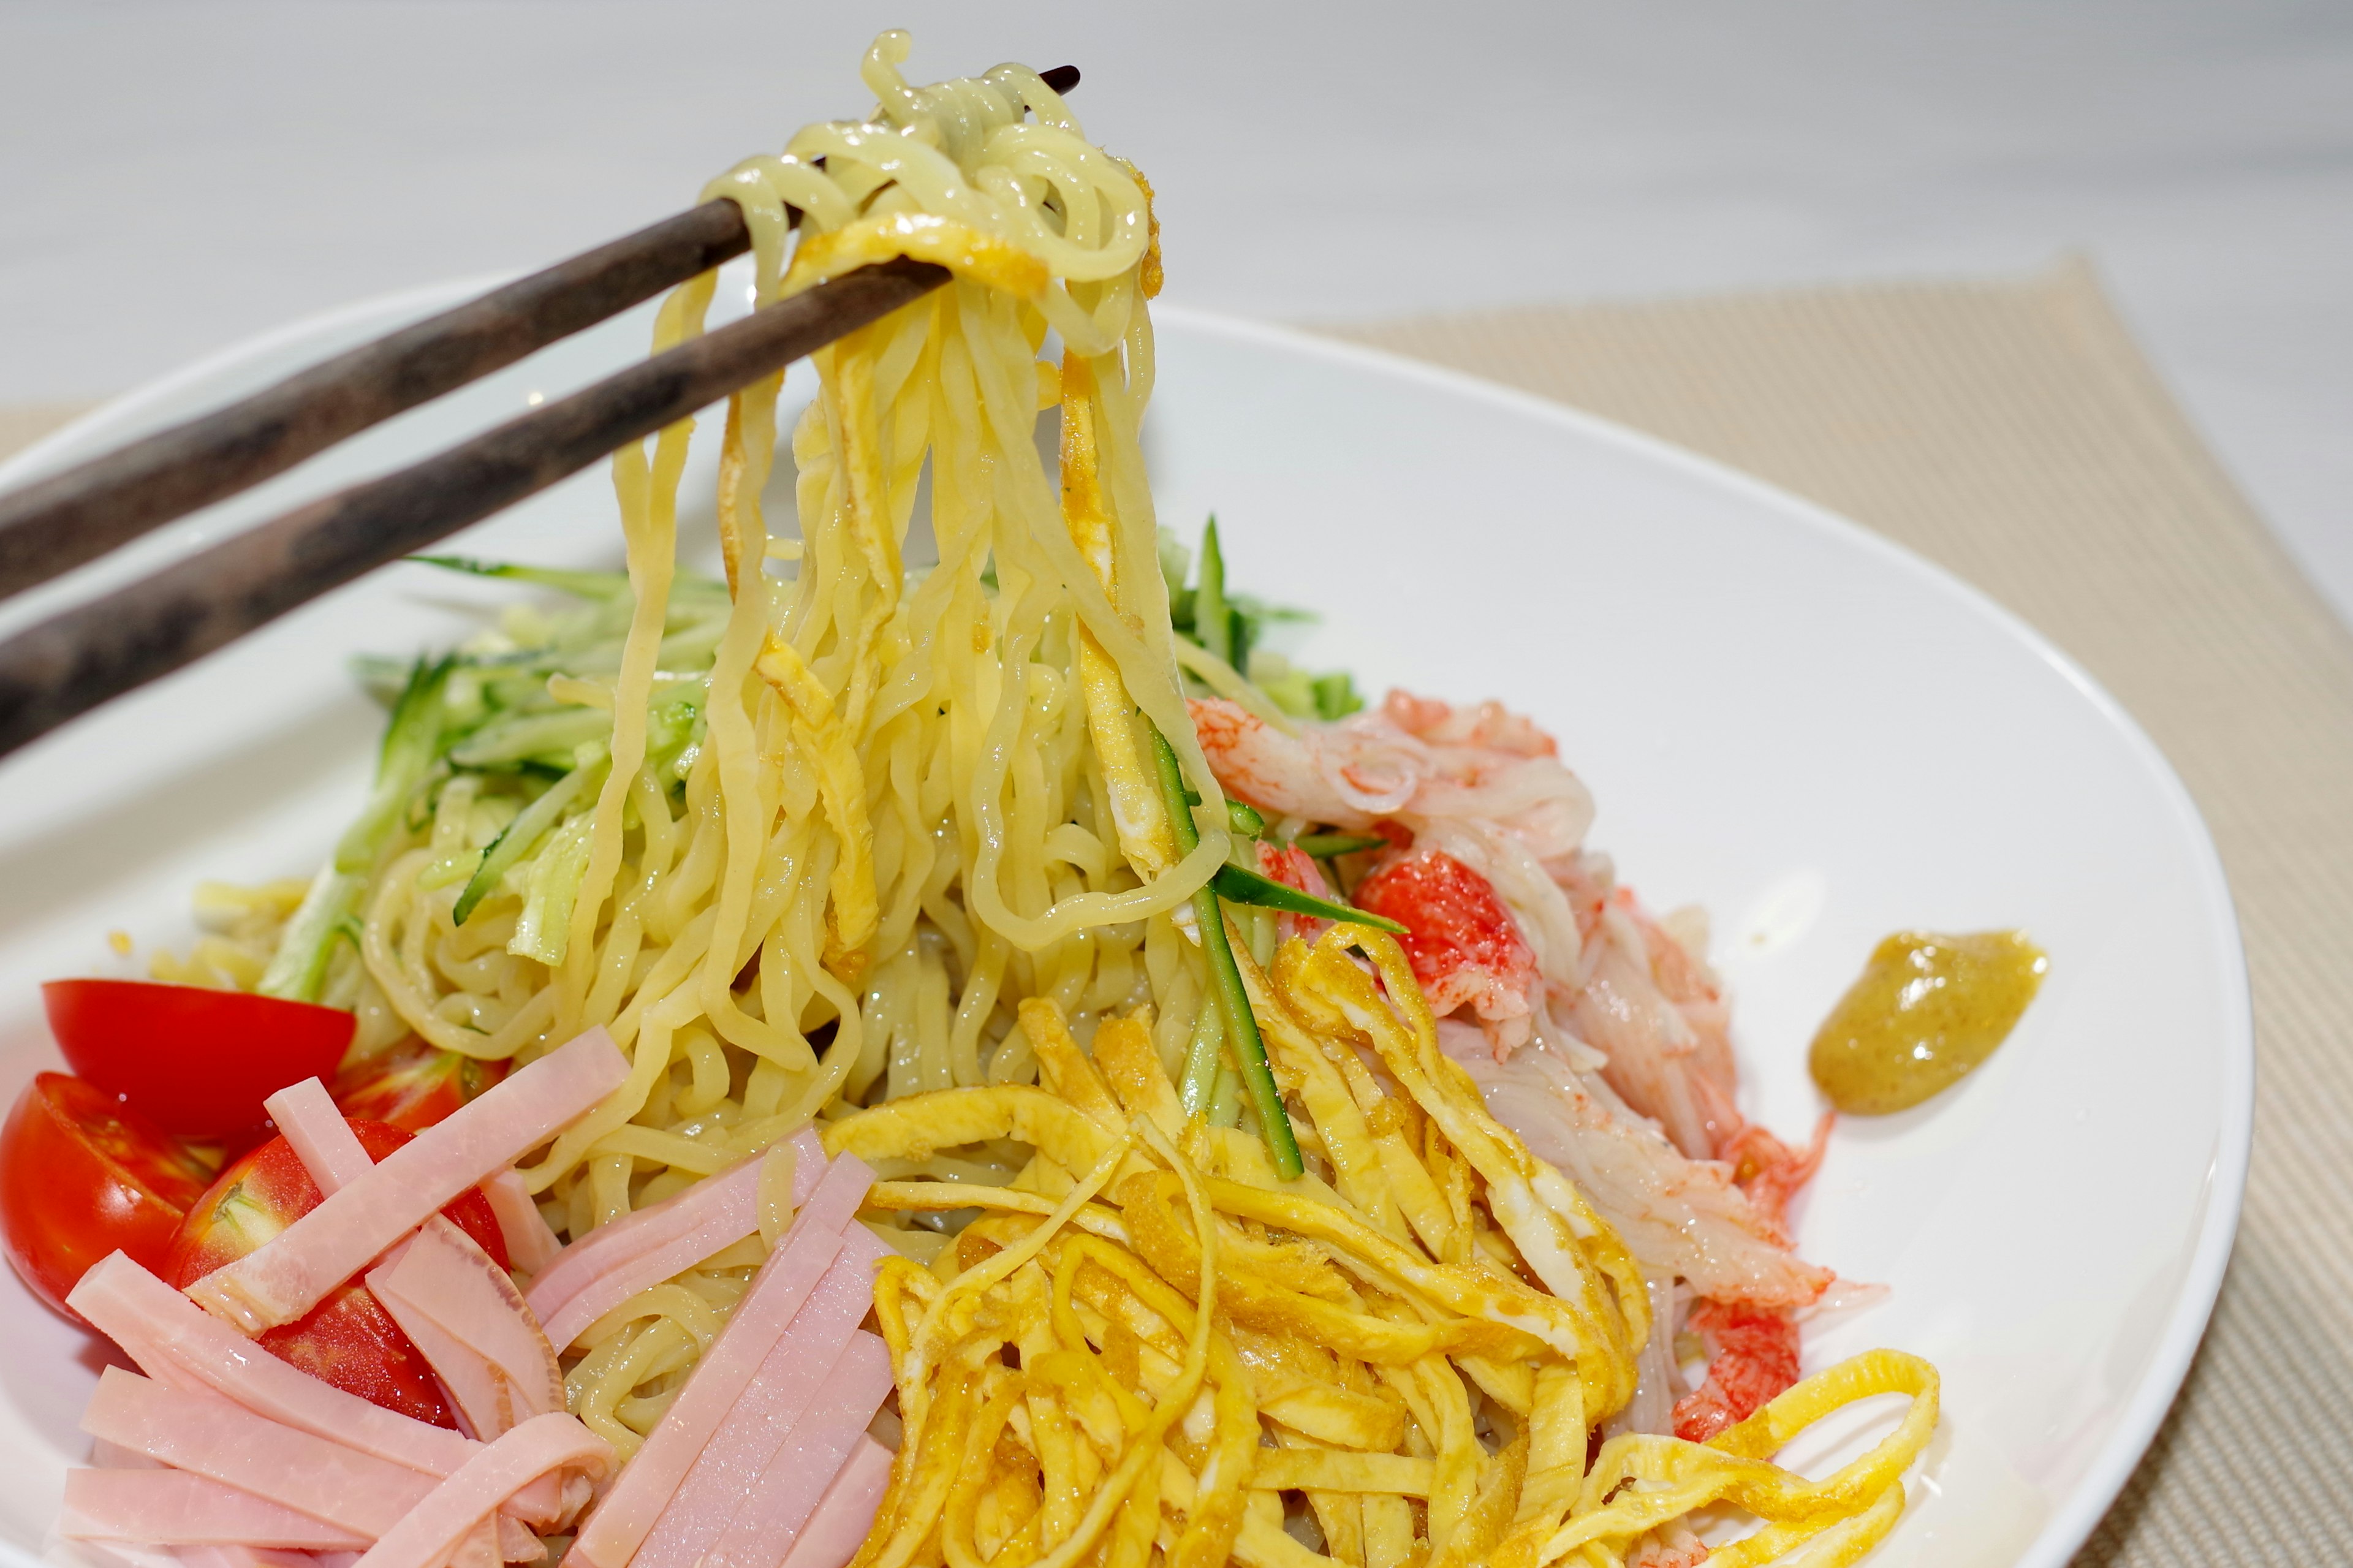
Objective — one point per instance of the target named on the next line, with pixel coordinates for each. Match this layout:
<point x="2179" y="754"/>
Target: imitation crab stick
<point x="173" y="1508"/>
<point x="291" y="1273"/>
<point x="771" y="1516"/>
<point x="614" y="1262"/>
<point x="741" y="1453"/>
<point x="845" y="1513"/>
<point x="612" y="1534"/>
<point x="210" y="1436"/>
<point x="430" y="1532"/>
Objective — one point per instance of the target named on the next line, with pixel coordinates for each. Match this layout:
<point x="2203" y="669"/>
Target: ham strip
<point x="130" y="1555"/>
<point x="480" y="1549"/>
<point x="287" y="1275"/>
<point x="845" y="1513"/>
<point x="452" y="1300"/>
<point x="322" y="1140"/>
<point x="179" y="1344"/>
<point x="614" y="1262"/>
<point x="173" y="1508"/>
<point x="739" y="1454"/>
<point x="429" y="1533"/>
<point x="461" y="1311"/>
<point x="530" y="1245"/>
<point x="769" y="1518"/>
<point x="612" y="1534"/>
<point x="309" y="1121"/>
<point x="201" y="1432"/>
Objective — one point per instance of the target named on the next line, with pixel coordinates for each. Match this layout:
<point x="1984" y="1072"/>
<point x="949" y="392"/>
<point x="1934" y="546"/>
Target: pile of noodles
<point x="913" y="799"/>
<point x="851" y="832"/>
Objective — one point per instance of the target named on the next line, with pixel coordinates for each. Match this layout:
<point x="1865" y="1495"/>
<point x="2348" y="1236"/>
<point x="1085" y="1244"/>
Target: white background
<point x="173" y="176"/>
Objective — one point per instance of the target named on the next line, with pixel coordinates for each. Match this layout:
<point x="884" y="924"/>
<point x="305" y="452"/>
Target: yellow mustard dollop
<point x="1927" y="1009"/>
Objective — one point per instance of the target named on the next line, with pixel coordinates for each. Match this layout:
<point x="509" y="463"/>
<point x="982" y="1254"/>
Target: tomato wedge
<point x="82" y="1176"/>
<point x="413" y="1085"/>
<point x="196" y="1061"/>
<point x="347" y="1340"/>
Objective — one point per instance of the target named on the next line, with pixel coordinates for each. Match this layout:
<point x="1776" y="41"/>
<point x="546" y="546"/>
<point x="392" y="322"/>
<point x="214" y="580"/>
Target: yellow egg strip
<point x="1175" y="1310"/>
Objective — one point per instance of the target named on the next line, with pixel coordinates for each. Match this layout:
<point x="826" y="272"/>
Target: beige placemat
<point x="2012" y="432"/>
<point x="21" y="425"/>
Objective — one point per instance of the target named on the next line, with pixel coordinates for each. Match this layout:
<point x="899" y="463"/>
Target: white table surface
<point x="173" y="176"/>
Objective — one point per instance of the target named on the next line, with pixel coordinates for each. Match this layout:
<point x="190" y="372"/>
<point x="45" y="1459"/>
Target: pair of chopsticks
<point x="64" y="667"/>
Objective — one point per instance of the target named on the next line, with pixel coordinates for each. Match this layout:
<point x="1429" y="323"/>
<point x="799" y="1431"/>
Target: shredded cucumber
<point x="1247" y="1049"/>
<point x="1230" y="625"/>
<point x="1240" y="885"/>
<point x="509" y="847"/>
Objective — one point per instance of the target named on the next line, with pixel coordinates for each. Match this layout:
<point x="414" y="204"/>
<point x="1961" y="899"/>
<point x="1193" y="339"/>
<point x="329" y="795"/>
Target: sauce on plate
<point x="1927" y="1009"/>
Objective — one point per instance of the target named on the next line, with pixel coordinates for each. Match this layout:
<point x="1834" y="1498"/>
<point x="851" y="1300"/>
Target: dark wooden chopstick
<point x="72" y="663"/>
<point x="74" y="517"/>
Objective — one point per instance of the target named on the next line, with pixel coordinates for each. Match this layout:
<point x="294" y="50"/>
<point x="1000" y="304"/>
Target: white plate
<point x="1814" y="734"/>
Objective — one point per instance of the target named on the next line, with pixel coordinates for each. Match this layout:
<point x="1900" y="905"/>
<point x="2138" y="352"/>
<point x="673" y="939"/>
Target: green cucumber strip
<point x="581" y="585"/>
<point x="1330" y="846"/>
<point x="1213" y="626"/>
<point x="523" y="737"/>
<point x="544" y="930"/>
<point x="1226" y="976"/>
<point x="298" y="968"/>
<point x="1225" y="1107"/>
<point x="1244" y="819"/>
<point x="411" y="742"/>
<point x="1336" y="696"/>
<point x="1204" y="1055"/>
<point x="508" y="847"/>
<point x="1238" y="886"/>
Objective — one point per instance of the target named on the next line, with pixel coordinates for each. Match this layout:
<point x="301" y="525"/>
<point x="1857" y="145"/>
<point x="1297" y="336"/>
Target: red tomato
<point x="347" y="1340"/>
<point x="81" y="1176"/>
<point x="413" y="1085"/>
<point x="196" y="1061"/>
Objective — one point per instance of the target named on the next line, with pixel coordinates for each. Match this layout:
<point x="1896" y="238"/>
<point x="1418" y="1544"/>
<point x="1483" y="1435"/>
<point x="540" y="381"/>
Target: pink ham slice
<point x="179" y="1344"/>
<point x="462" y="1312"/>
<point x="200" y="1432"/>
<point x="448" y="1296"/>
<point x="530" y="1245"/>
<point x="770" y="1518"/>
<point x="125" y="1554"/>
<point x="428" y="1534"/>
<point x="614" y="1262"/>
<point x="291" y="1273"/>
<point x="845" y="1513"/>
<point x="173" y="1508"/>
<point x="776" y="1405"/>
<point x="308" y="1119"/>
<point x="611" y="1535"/>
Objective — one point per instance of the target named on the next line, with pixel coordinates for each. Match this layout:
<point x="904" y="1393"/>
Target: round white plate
<point x="1812" y="733"/>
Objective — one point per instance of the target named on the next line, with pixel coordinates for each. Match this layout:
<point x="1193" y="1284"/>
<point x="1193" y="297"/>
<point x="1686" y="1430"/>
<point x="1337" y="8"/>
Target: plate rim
<point x="2078" y="1514"/>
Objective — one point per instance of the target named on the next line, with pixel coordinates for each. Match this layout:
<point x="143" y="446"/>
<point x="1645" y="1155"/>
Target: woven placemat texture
<point x="21" y="425"/>
<point x="2014" y="433"/>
